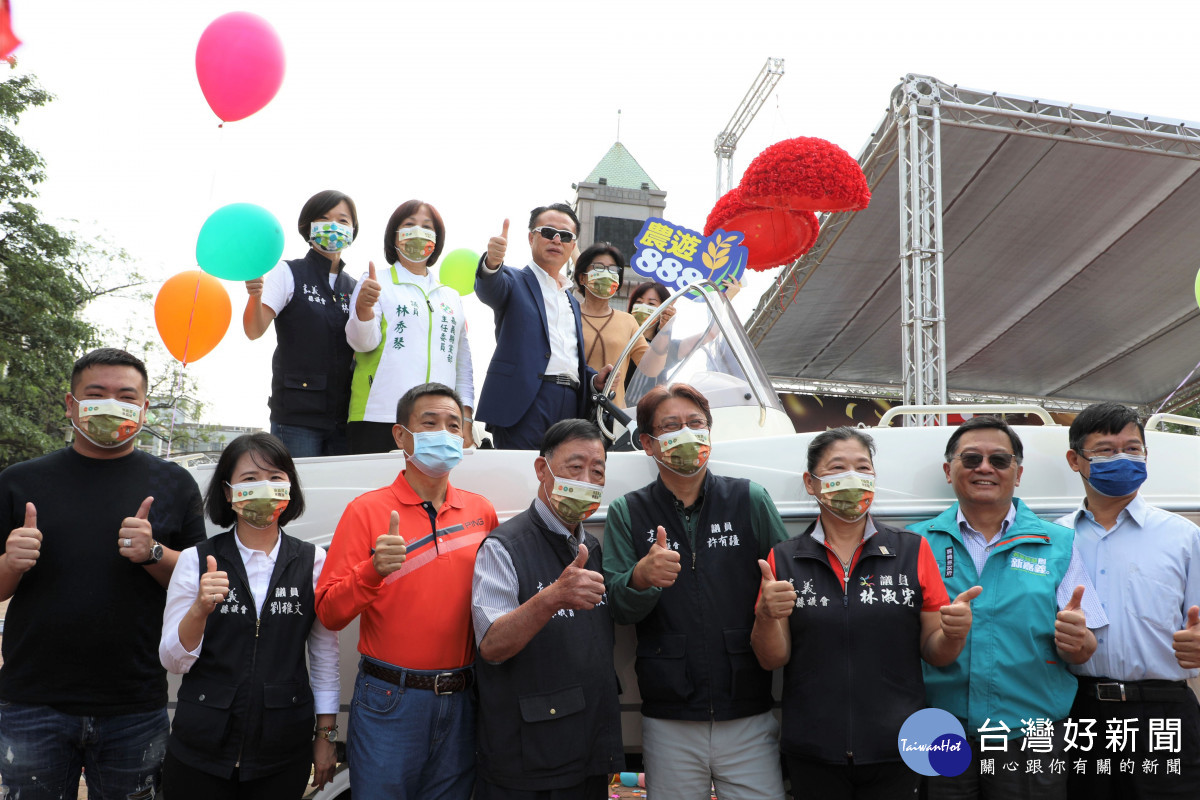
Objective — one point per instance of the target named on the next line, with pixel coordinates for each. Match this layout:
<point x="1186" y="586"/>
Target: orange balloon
<point x="192" y="312"/>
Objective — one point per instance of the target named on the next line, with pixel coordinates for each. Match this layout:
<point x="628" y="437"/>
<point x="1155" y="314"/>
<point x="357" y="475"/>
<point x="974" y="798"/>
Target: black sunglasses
<point x="549" y="233"/>
<point x="997" y="460"/>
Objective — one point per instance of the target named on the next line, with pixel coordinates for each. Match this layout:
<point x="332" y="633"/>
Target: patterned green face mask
<point x="848" y="494"/>
<point x="574" y="501"/>
<point x="602" y="283"/>
<point x="259" y="503"/>
<point x="107" y="422"/>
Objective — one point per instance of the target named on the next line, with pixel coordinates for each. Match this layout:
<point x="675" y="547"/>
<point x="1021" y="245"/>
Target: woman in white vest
<point x="406" y="329"/>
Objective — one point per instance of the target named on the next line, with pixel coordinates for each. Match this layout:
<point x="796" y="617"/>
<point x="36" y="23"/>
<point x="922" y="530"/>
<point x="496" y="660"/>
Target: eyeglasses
<point x="1135" y="450"/>
<point x="549" y="233"/>
<point x="695" y="423"/>
<point x="999" y="461"/>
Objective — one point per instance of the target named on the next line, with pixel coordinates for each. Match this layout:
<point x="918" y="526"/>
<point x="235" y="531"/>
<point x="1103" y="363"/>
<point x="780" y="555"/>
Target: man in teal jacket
<point x="1032" y="618"/>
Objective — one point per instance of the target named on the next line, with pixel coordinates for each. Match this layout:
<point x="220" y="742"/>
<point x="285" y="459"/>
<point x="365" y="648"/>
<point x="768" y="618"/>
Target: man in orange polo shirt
<point x="402" y="557"/>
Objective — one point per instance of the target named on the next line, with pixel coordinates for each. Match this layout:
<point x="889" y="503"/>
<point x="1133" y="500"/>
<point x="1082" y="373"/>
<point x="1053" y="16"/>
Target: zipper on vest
<point x="253" y="658"/>
<point x="693" y="561"/>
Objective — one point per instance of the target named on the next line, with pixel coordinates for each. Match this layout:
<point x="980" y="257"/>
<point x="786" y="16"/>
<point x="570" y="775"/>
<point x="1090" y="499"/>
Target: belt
<point x="441" y="683"/>
<point x="1148" y="691"/>
<point x="562" y="380"/>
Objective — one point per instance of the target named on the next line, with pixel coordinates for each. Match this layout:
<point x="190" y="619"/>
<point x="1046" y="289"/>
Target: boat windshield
<point x="703" y="344"/>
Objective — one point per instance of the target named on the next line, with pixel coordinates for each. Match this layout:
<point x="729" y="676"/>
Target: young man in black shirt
<point x="96" y="529"/>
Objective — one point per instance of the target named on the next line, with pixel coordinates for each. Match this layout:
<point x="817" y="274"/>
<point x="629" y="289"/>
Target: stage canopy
<point x="1070" y="240"/>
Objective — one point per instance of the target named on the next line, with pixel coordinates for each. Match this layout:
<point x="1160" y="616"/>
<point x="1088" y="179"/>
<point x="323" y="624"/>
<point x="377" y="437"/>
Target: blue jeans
<point x="407" y="744"/>
<point x="305" y="442"/>
<point x="42" y="752"/>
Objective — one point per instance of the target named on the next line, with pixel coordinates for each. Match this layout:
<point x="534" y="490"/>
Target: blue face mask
<point x="1117" y="476"/>
<point x="435" y="452"/>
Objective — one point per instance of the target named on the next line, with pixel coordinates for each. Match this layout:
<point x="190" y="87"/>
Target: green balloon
<point x="239" y="242"/>
<point x="458" y="270"/>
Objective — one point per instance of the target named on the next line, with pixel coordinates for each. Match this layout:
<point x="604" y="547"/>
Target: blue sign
<point x="677" y="257"/>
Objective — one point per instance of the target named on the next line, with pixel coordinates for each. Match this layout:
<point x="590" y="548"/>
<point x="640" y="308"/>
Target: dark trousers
<point x="1137" y="782"/>
<point x="551" y="404"/>
<point x="370" y="437"/>
<point x="181" y="782"/>
<point x="594" y="787"/>
<point x="892" y="780"/>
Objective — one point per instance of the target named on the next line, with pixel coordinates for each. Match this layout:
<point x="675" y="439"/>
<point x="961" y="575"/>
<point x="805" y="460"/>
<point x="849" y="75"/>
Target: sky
<point x="488" y="109"/>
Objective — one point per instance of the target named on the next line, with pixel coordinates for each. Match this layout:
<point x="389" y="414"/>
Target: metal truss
<point x="1037" y="118"/>
<point x="916" y="104"/>
<point x="894" y="391"/>
<point x="910" y="135"/>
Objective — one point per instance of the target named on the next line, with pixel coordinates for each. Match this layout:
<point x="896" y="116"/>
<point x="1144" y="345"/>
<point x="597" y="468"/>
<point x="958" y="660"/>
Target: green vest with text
<point x="1009" y="669"/>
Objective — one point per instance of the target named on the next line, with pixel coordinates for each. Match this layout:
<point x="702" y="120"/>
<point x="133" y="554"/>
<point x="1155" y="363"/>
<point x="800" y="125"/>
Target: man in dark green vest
<point x="681" y="561"/>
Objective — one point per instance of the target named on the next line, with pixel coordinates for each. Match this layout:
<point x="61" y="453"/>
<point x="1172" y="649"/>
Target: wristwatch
<point x="156" y="554"/>
<point x="328" y="733"/>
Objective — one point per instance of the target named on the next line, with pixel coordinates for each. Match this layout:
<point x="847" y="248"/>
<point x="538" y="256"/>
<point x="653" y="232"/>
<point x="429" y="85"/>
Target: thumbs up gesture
<point x="579" y="588"/>
<point x="23" y="544"/>
<point x="659" y="567"/>
<point x="368" y="295"/>
<point x="390" y="549"/>
<point x="1187" y="641"/>
<point x="214" y="588"/>
<point x="1070" y="625"/>
<point x="776" y="599"/>
<point x="136" y="537"/>
<point x="497" y="247"/>
<point x="956" y="617"/>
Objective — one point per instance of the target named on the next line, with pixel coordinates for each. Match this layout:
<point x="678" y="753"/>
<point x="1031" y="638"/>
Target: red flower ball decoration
<point x="774" y="236"/>
<point x="806" y="174"/>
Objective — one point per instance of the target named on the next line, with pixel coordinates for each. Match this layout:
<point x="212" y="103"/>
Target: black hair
<point x="569" y="430"/>
<point x="320" y="204"/>
<point x="647" y="407"/>
<point x="985" y="423"/>
<point x="825" y="439"/>
<point x="561" y="207"/>
<point x="1108" y="418"/>
<point x="109" y="357"/>
<point x="635" y="294"/>
<point x="404" y="211"/>
<point x="591" y="254"/>
<point x="404" y="407"/>
<point x="265" y="448"/>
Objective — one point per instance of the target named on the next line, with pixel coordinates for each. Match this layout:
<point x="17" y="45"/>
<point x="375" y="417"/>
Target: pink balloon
<point x="239" y="62"/>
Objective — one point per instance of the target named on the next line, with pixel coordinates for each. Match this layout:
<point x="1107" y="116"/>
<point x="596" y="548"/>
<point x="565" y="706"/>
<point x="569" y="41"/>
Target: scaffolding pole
<point x="916" y="103"/>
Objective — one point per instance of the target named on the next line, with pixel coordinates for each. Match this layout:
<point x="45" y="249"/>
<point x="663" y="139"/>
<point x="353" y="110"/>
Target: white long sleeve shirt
<point x="185" y="583"/>
<point x="418" y="333"/>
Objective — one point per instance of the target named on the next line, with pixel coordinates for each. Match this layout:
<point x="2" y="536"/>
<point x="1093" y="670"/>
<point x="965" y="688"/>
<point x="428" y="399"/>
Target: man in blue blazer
<point x="538" y="375"/>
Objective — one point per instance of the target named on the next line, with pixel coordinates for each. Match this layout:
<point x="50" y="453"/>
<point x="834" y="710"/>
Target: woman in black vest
<point x="856" y="606"/>
<point x="309" y="299"/>
<point x="238" y="620"/>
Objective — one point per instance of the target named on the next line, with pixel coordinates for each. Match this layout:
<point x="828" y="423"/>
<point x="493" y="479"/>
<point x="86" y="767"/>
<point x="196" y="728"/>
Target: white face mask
<point x="107" y="422"/>
<point x="415" y="244"/>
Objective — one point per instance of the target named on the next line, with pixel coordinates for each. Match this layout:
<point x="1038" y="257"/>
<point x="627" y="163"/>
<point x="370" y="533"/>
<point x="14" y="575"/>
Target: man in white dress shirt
<point x="1145" y="564"/>
<point x="538" y="375"/>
